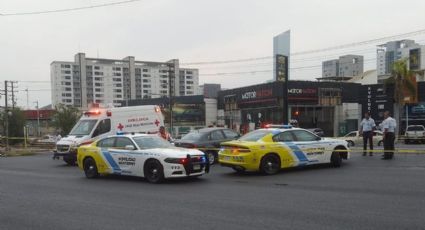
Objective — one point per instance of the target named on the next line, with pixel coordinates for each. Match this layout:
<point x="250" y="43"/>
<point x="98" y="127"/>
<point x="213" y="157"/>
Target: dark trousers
<point x="389" y="145"/>
<point x="367" y="136"/>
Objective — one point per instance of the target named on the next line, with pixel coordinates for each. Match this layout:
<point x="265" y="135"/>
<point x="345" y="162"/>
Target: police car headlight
<point x="172" y="160"/>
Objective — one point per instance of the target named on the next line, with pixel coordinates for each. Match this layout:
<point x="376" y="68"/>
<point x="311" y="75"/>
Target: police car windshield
<point x="255" y="135"/>
<point x="83" y="127"/>
<point x="152" y="142"/>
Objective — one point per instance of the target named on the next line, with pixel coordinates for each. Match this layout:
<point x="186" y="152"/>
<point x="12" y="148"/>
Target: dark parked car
<point x="207" y="140"/>
<point x="318" y="131"/>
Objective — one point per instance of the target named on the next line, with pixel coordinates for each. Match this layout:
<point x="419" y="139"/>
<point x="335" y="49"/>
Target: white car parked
<point x="355" y="139"/>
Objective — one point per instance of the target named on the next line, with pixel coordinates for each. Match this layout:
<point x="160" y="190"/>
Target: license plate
<point x="196" y="167"/>
<point x="227" y="158"/>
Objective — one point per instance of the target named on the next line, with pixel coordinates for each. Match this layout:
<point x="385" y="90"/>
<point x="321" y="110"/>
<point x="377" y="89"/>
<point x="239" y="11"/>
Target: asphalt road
<point x="37" y="192"/>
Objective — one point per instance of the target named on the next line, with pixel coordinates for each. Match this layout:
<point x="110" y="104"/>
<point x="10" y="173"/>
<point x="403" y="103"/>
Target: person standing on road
<point x="366" y="130"/>
<point x="388" y="125"/>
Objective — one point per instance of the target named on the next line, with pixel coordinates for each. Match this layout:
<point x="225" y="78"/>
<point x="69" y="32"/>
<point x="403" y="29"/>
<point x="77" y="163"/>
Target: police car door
<point x="124" y="155"/>
<point x="307" y="147"/>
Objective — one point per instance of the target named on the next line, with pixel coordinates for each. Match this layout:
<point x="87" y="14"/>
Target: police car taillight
<point x="157" y="109"/>
<point x="108" y="113"/>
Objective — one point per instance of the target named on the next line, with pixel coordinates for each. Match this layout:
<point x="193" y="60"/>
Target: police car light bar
<point x="279" y="126"/>
<point x="92" y="113"/>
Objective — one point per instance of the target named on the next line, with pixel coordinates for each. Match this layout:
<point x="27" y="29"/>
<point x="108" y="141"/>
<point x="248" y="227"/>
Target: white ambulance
<point x="98" y="123"/>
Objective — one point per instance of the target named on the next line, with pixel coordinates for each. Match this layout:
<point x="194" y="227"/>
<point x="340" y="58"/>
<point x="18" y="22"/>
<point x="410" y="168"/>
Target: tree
<point x="16" y="121"/>
<point x="65" y="118"/>
<point x="403" y="81"/>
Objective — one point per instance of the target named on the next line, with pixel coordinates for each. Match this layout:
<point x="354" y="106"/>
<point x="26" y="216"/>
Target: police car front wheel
<point x="154" y="172"/>
<point x="90" y="168"/>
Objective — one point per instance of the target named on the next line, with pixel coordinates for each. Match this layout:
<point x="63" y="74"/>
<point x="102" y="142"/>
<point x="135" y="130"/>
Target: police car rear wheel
<point x="336" y="160"/>
<point x="90" y="168"/>
<point x="270" y="164"/>
<point x="154" y="172"/>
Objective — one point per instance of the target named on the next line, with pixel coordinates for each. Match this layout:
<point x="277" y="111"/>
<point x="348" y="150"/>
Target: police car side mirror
<point x="318" y="138"/>
<point x="129" y="147"/>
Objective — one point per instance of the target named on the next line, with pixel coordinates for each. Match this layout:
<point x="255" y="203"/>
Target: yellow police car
<point x="141" y="155"/>
<point x="271" y="149"/>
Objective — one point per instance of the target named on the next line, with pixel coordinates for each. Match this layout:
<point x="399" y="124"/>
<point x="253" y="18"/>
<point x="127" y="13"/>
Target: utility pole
<point x="12" y="90"/>
<point x="6" y="115"/>
<point x="28" y="106"/>
<point x="171" y="93"/>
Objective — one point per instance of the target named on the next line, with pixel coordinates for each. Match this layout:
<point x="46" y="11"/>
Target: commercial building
<point x="392" y="51"/>
<point x="209" y="90"/>
<point x="343" y="68"/>
<point x="281" y="53"/>
<point x="328" y="105"/>
<point x="109" y="81"/>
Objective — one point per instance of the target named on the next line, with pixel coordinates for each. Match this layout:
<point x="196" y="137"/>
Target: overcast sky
<point x="192" y="31"/>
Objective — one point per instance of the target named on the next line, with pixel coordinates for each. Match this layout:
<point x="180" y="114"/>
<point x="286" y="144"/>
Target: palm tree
<point x="404" y="82"/>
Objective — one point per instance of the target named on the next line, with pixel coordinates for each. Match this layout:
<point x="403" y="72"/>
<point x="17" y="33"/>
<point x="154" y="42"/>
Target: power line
<point x="366" y="42"/>
<point x="68" y="9"/>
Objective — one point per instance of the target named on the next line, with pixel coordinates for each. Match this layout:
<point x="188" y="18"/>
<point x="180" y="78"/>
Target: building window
<point x="98" y="84"/>
<point x="189" y="77"/>
<point x="164" y="76"/>
<point x="117" y="85"/>
<point x="116" y="68"/>
<point x="145" y="70"/>
<point x="189" y="72"/>
<point x="98" y="95"/>
<point x="118" y="96"/>
<point x="146" y="80"/>
<point x="65" y="66"/>
<point x="189" y="92"/>
<point x="146" y="86"/>
<point x="116" y="79"/>
<point x="98" y="90"/>
<point x="189" y="82"/>
<point x="117" y="90"/>
<point x="97" y="67"/>
<point x="68" y="89"/>
<point x="146" y="75"/>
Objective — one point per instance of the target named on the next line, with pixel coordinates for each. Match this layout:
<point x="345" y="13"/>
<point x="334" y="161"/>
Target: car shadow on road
<point x="184" y="180"/>
<point x="286" y="171"/>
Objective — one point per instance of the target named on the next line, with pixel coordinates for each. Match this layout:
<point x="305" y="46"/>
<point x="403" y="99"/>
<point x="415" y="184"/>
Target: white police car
<point x="140" y="155"/>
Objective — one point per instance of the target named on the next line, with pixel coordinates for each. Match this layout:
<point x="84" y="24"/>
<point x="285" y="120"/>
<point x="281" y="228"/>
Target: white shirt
<point x="367" y="124"/>
<point x="389" y="124"/>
